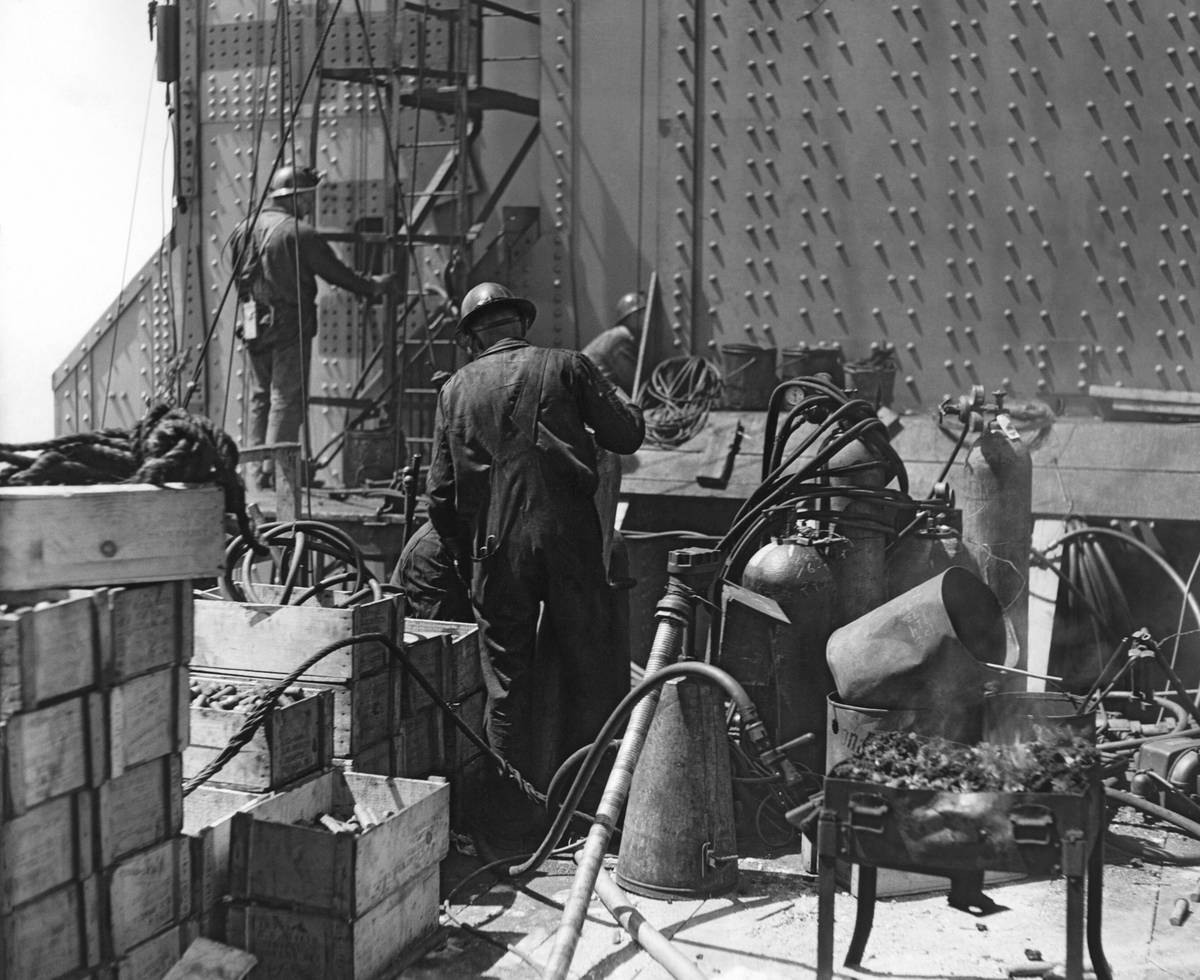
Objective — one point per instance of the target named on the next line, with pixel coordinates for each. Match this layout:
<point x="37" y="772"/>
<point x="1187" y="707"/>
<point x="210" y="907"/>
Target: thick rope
<point x="169" y="445"/>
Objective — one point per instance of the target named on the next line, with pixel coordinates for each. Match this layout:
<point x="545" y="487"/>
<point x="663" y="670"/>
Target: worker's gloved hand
<point x="386" y="285"/>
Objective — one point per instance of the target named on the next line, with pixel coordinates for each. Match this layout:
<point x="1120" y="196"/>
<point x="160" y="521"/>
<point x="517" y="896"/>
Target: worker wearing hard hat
<point x="615" y="352"/>
<point x="510" y="487"/>
<point x="277" y="260"/>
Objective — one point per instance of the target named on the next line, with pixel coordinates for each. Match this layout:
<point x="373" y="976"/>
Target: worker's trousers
<point x="278" y="387"/>
<point x="531" y="720"/>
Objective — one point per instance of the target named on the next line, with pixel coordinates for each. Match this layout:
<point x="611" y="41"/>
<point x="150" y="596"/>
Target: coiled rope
<point x="169" y="445"/>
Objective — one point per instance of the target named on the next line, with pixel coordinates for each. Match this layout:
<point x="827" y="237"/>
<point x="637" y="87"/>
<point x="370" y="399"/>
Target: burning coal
<point x="1057" y="763"/>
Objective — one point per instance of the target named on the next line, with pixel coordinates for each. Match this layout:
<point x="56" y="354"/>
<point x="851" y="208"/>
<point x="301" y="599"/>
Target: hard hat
<point x="629" y="304"/>
<point x="489" y="295"/>
<point x="289" y="180"/>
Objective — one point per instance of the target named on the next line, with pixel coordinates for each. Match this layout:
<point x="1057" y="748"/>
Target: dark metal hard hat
<point x="490" y="296"/>
<point x="629" y="304"/>
<point x="289" y="180"/>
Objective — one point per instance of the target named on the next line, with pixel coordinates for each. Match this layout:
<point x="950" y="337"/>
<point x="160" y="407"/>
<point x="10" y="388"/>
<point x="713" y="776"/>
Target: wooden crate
<point x="343" y="874"/>
<point x="429" y="654"/>
<point x="470" y="710"/>
<point x="48" y="647"/>
<point x="109" y="534"/>
<point x="140" y="808"/>
<point x="207" y="823"/>
<point x="374" y="759"/>
<point x="146" y="893"/>
<point x="294" y="740"/>
<point x="361" y="708"/>
<point x="146" y="718"/>
<point x="54" y="935"/>
<point x="50" y="751"/>
<point x="419" y="747"/>
<point x="239" y="638"/>
<point x="62" y="641"/>
<point x="152" y="959"/>
<point x="46" y="847"/>
<point x="298" y="945"/>
<point x="462" y="673"/>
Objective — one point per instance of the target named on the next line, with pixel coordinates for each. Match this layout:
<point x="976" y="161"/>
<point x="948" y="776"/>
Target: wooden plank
<point x="147" y="717"/>
<point x="109" y="534"/>
<point x="53" y="935"/>
<point x="140" y="808"/>
<point x="722" y="441"/>
<point x="295" y="740"/>
<point x="238" y="637"/>
<point x="1043" y="598"/>
<point x="50" y="751"/>
<point x="45" y="848"/>
<point x="147" y="893"/>
<point x="344" y="874"/>
<point x="208" y="960"/>
<point x="293" y="943"/>
<point x="48" y="647"/>
<point x="428" y="653"/>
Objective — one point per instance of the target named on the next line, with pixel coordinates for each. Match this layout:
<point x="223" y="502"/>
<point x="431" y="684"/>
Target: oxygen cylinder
<point x="857" y="560"/>
<point x="793" y="571"/>
<point x="932" y="548"/>
<point x="995" y="492"/>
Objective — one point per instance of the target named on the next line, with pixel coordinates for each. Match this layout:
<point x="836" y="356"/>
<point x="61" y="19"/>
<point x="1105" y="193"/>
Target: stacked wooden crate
<point x="425" y="740"/>
<point x="314" y="903"/>
<point x="93" y="721"/>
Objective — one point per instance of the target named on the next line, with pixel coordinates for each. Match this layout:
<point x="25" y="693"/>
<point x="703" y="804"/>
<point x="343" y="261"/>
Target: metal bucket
<point x="1028" y="716"/>
<point x="804" y="362"/>
<point x="872" y="383"/>
<point x="850" y="725"/>
<point x="678" y="838"/>
<point x="749" y="376"/>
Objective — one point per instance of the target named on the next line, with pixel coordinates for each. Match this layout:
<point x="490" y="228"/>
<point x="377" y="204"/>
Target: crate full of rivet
<point x="461" y="673"/>
<point x="110" y="534"/>
<point x="402" y="831"/>
<point x="362" y="708"/>
<point x="265" y="637"/>
<point x="294" y="740"/>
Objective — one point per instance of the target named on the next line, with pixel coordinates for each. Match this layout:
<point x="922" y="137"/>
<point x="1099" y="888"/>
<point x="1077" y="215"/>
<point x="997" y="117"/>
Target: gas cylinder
<point x="995" y="493"/>
<point x="793" y="571"/>
<point x="933" y="547"/>
<point x="857" y="559"/>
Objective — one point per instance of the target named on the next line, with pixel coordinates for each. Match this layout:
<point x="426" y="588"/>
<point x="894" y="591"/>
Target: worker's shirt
<point x="512" y="458"/>
<point x="615" y="353"/>
<point x="280" y="271"/>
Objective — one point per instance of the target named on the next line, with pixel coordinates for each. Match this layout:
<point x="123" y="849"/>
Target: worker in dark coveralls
<point x="510" y="489"/>
<point x="277" y="260"/>
<point x="615" y="352"/>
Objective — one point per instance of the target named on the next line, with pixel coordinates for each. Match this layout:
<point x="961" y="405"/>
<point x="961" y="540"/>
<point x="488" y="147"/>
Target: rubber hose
<point x="1189" y="827"/>
<point x="1134" y="743"/>
<point x="658" y="946"/>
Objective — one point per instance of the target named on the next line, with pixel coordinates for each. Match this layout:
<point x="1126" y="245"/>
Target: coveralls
<point x="279" y="272"/>
<point x="511" y="484"/>
<point x="615" y="353"/>
<point x="429" y="576"/>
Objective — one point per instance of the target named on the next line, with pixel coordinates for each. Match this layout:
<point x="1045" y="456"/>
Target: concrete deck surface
<point x="767" y="926"/>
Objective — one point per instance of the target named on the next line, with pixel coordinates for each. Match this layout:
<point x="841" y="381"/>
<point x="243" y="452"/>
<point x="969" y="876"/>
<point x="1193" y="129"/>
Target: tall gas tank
<point x="995" y="492"/>
<point x="934" y="546"/>
<point x="793" y="571"/>
<point x="857" y="559"/>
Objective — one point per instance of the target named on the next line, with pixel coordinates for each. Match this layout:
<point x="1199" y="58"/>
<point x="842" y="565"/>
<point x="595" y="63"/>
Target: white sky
<point x="75" y="77"/>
